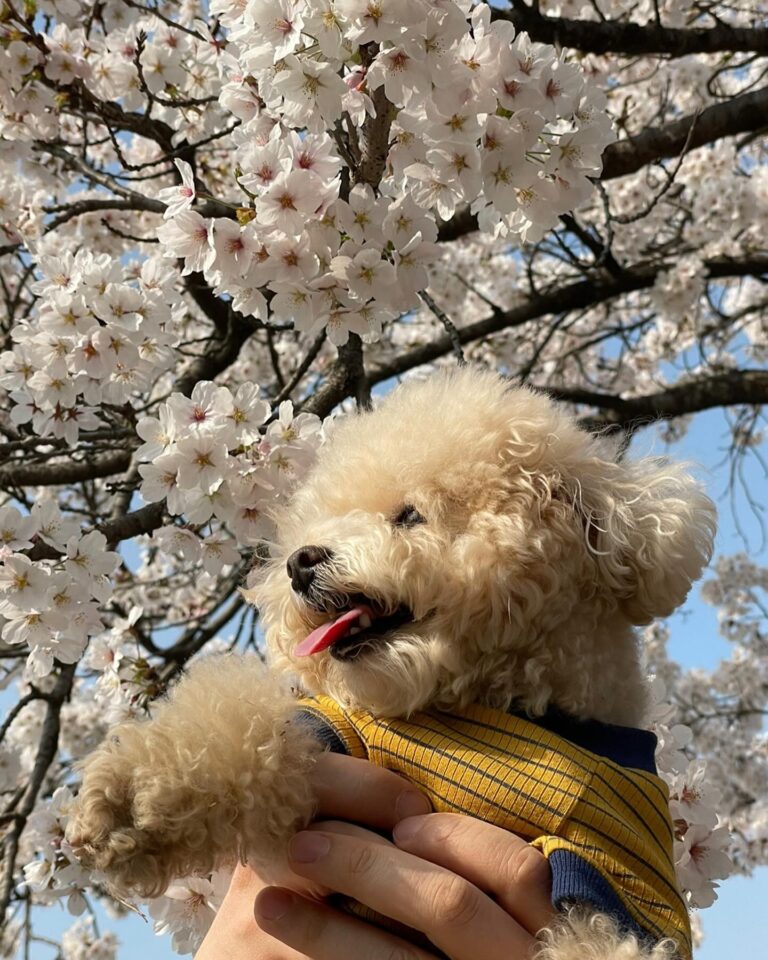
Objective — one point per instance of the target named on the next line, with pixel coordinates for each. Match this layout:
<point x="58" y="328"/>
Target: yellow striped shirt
<point x="604" y="826"/>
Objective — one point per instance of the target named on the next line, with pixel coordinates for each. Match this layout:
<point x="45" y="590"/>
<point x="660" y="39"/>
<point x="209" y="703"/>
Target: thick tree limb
<point x="217" y="310"/>
<point x="579" y="295"/>
<point x="374" y="145"/>
<point x="93" y="205"/>
<point x="220" y="353"/>
<point x="375" y="137"/>
<point x="739" y="115"/>
<point x="733" y="388"/>
<point x="19" y="474"/>
<point x="346" y="378"/>
<point x="111" y="113"/>
<point x="615" y="36"/>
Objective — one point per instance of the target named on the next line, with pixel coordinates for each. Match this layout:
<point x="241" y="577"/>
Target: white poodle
<point x="455" y="588"/>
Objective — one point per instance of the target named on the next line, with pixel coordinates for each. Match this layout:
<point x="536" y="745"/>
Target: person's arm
<point x="444" y="874"/>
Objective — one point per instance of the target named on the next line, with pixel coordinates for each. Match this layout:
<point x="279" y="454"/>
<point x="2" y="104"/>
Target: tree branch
<point x="126" y="527"/>
<point x="738" y="115"/>
<point x="618" y="36"/>
<point x="48" y="745"/>
<point x="579" y="295"/>
<point x="112" y="114"/>
<point x="375" y="130"/>
<point x="93" y="205"/>
<point x="59" y="472"/>
<point x="733" y="388"/>
<point x="346" y="378"/>
<point x="220" y="352"/>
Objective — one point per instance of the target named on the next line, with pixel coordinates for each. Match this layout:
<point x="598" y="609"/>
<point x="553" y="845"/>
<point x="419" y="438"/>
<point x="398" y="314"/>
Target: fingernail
<point x="405" y="831"/>
<point x="411" y="803"/>
<point x="308" y="846"/>
<point x="273" y="904"/>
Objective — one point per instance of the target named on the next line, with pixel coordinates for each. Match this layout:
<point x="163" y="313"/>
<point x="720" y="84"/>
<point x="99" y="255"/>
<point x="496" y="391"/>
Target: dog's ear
<point x="650" y="528"/>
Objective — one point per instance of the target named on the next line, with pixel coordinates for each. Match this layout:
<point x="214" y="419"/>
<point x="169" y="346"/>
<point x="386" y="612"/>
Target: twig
<point x="632" y="218"/>
<point x="16" y="710"/>
<point x="449" y="325"/>
<point x="302" y="368"/>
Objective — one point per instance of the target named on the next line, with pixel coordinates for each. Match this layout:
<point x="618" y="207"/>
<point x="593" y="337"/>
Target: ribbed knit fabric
<point x="604" y="826"/>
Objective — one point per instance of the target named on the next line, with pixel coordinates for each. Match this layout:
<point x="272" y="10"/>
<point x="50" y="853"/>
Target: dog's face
<point x="466" y="541"/>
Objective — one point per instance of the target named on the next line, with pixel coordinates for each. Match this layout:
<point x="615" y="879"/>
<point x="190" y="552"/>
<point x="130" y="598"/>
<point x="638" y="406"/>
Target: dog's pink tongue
<point x="323" y="636"/>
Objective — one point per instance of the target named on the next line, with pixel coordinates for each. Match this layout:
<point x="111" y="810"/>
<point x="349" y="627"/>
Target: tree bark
<point x="619" y="36"/>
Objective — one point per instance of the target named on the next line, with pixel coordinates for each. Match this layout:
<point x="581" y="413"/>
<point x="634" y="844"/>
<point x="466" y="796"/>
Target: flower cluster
<point x="676" y="296"/>
<point x="187" y="908"/>
<point x="209" y="459"/>
<point x="427" y="106"/>
<point x="98" y="339"/>
<point x="82" y="942"/>
<point x="132" y="57"/>
<point x="701" y="840"/>
<point x="51" y="606"/>
<point x="56" y="874"/>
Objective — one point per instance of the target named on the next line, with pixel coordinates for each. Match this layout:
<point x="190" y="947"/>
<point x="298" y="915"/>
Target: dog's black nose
<point x="302" y="566"/>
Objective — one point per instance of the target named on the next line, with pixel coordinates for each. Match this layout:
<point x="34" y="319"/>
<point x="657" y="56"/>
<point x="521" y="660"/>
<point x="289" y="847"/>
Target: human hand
<point x="464" y="883"/>
<point x="439" y="879"/>
<point x="347" y="789"/>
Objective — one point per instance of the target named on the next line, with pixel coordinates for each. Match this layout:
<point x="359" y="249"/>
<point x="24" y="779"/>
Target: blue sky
<point x="735" y="925"/>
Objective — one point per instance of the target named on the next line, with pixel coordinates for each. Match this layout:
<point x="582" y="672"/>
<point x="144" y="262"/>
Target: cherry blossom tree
<point x="224" y="221"/>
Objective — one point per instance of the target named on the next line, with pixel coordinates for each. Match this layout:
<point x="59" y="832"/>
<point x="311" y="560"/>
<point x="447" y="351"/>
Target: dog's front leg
<point x="219" y="773"/>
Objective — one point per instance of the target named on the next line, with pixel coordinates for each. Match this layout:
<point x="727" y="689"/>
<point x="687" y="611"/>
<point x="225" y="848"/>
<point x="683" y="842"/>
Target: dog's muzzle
<point x="356" y="624"/>
<point x="302" y="567"/>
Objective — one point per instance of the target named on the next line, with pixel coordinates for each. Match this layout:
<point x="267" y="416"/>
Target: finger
<point x="325" y="933"/>
<point x="352" y="789"/>
<point x="247" y="880"/>
<point x="314" y="890"/>
<point x="450" y="910"/>
<point x="497" y="861"/>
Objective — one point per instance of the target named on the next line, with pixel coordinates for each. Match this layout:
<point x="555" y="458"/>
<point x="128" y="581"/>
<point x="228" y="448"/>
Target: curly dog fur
<point x="538" y="553"/>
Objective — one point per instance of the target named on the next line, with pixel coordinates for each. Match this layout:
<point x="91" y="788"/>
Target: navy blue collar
<point x="627" y="746"/>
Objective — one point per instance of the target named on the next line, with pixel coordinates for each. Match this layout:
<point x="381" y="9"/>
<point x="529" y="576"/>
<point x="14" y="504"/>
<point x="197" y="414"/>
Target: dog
<point x="454" y="589"/>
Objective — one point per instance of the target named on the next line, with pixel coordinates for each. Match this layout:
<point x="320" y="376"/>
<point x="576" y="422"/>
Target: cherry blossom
<point x="182" y="197"/>
<point x="15" y="529"/>
<point x="23" y="583"/>
<point x="188" y="235"/>
<point x="187" y="909"/>
<point x="701" y="859"/>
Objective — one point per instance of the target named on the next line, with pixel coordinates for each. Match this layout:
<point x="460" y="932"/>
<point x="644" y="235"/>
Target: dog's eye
<point x="408" y="517"/>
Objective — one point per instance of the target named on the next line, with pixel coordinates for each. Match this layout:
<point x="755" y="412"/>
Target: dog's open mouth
<point x="354" y="631"/>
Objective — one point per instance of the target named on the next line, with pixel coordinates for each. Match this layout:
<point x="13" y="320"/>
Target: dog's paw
<point x="104" y="830"/>
<point x="218" y="774"/>
<point x="146" y="814"/>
